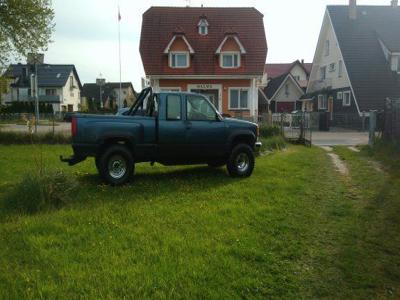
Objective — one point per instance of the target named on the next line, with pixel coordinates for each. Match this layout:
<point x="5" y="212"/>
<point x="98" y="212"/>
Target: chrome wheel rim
<point x="242" y="162"/>
<point x="117" y="166"/>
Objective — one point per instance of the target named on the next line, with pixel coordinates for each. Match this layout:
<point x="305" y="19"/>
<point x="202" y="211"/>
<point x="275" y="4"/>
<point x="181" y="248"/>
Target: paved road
<point x="62" y="127"/>
<point x="336" y="138"/>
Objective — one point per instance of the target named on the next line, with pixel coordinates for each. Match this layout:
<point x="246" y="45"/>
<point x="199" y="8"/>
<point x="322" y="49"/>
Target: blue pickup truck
<point x="168" y="128"/>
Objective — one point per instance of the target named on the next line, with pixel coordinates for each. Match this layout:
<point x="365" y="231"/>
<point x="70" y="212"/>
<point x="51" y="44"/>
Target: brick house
<point x="219" y="52"/>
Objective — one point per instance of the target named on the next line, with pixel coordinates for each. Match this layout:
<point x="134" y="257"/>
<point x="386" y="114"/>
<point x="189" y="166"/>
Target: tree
<point x="25" y="27"/>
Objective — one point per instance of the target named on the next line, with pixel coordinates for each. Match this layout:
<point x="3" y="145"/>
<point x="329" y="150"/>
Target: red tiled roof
<point x="159" y="24"/>
<point x="275" y="70"/>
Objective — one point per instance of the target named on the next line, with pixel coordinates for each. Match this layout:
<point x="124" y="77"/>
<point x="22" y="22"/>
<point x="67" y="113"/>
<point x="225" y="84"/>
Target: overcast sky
<point x="86" y="32"/>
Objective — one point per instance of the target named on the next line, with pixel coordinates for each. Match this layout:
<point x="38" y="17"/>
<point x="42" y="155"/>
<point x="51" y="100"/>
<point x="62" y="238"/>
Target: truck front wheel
<point x="116" y="165"/>
<point x="241" y="161"/>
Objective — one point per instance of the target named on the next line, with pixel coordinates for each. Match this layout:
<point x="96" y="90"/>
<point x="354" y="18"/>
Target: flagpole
<point x="119" y="49"/>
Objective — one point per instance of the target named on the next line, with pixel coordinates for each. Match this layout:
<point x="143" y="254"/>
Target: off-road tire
<point x="116" y="165"/>
<point x="241" y="161"/>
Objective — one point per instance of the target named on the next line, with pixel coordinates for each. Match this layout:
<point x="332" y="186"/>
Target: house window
<point x="173" y="107"/>
<point x="203" y="27"/>
<point x="347" y="98"/>
<point x="51" y="92"/>
<point x="287" y="90"/>
<point x="238" y="98"/>
<point x="230" y="60"/>
<point x="322" y="73"/>
<point x="179" y="59"/>
<point x="327" y="48"/>
<point x="332" y="67"/>
<point x="339" y="95"/>
<point x="340" y="74"/>
<point x="297" y="77"/>
<point x="71" y="82"/>
<point x="322" y="102"/>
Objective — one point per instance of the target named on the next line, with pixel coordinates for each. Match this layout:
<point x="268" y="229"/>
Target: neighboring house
<point x="109" y="95"/>
<point x="219" y="52"/>
<point x="357" y="61"/>
<point x="286" y="85"/>
<point x="58" y="85"/>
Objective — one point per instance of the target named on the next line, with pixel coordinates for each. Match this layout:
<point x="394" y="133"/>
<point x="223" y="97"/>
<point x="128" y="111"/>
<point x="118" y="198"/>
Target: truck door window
<point x="199" y="109"/>
<point x="173" y="107"/>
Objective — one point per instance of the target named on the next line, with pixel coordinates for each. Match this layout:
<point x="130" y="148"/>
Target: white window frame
<point x="340" y="69"/>
<point x="349" y="98"/>
<point x="172" y="53"/>
<point x="232" y="53"/>
<point x="203" y="24"/>
<point x="239" y="89"/>
<point x="320" y="73"/>
<point x="339" y="95"/>
<point x="324" y="101"/>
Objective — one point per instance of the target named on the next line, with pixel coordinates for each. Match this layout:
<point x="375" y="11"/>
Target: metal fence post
<point x="372" y="127"/>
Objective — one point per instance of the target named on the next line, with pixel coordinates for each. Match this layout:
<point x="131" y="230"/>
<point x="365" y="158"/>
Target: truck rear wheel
<point x="241" y="161"/>
<point x="116" y="165"/>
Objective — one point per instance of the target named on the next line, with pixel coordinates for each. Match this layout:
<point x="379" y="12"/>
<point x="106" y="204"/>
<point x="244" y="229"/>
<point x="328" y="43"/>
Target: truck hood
<point x="238" y="122"/>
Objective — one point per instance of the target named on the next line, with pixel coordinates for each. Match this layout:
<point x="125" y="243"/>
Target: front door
<point x="205" y="133"/>
<point x="330" y="107"/>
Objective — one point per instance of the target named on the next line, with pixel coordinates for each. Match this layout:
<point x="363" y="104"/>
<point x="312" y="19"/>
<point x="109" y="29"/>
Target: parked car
<point x="174" y="129"/>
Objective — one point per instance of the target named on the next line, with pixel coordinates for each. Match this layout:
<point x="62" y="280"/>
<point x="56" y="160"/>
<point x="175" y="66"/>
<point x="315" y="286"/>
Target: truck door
<point x="171" y="129"/>
<point x="205" y="132"/>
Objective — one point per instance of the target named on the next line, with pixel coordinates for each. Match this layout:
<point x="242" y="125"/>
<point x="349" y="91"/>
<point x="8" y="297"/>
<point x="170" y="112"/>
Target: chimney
<point x="353" y="9"/>
<point x="302" y="61"/>
<point x="394" y="3"/>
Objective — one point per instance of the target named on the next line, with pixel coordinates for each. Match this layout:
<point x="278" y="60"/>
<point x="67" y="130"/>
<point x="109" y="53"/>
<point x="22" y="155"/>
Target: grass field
<point x="295" y="229"/>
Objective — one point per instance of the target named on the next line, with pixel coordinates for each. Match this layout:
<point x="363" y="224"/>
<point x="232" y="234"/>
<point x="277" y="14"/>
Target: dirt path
<point x="339" y="164"/>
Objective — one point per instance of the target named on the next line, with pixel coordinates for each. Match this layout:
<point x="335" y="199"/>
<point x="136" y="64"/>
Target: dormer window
<point x="179" y="59"/>
<point x="203" y="27"/>
<point x="230" y="59"/>
<point x="230" y="51"/>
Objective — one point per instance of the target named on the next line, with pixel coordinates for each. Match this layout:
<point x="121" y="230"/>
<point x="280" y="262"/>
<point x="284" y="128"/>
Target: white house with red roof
<point x="286" y="85"/>
<point x="219" y="52"/>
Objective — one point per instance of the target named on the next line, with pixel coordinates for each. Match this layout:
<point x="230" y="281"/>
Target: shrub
<point x="267" y="131"/>
<point x="273" y="143"/>
<point x="41" y="192"/>
<point x="12" y="137"/>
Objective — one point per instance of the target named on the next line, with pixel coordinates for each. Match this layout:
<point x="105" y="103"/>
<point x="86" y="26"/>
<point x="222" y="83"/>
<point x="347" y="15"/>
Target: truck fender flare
<point x="241" y="134"/>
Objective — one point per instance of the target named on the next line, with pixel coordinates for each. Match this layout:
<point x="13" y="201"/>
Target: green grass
<point x="295" y="229"/>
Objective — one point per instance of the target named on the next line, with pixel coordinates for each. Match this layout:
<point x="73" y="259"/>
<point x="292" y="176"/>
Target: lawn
<point x="295" y="229"/>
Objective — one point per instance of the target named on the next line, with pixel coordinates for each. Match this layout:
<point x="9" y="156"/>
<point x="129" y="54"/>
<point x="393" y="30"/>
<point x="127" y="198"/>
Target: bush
<point x="267" y="131"/>
<point x="12" y="137"/>
<point x="273" y="143"/>
<point x="41" y="192"/>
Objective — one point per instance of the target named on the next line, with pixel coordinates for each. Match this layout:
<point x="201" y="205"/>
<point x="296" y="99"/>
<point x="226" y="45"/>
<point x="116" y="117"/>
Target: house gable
<point x="331" y="60"/>
<point x="288" y="91"/>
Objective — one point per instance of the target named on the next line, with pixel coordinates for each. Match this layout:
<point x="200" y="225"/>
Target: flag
<point x="119" y="15"/>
